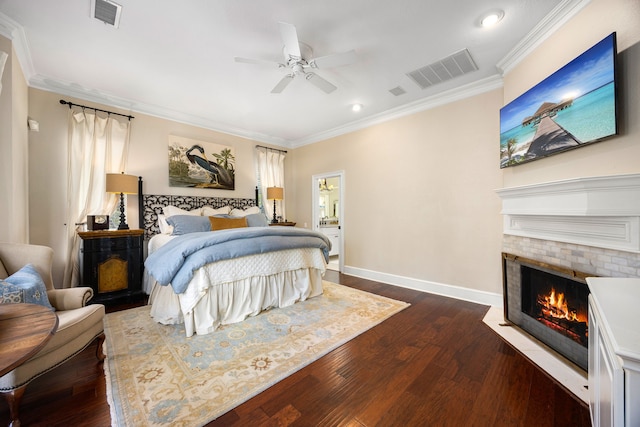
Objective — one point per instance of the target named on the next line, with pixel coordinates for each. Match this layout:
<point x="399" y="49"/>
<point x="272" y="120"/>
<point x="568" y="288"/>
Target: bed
<point x="204" y="279"/>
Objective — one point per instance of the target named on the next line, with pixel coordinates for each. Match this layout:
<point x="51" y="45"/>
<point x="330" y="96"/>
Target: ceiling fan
<point x="299" y="60"/>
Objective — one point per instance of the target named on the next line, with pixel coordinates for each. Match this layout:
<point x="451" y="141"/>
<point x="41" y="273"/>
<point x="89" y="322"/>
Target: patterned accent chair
<point x="79" y="324"/>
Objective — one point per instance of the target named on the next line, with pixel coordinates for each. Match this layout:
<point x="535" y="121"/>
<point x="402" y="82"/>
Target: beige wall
<point x="616" y="155"/>
<point x="419" y="194"/>
<point x="13" y="150"/>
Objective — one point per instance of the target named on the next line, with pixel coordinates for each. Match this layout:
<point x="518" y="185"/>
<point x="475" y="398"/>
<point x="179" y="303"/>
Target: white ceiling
<point x="175" y="59"/>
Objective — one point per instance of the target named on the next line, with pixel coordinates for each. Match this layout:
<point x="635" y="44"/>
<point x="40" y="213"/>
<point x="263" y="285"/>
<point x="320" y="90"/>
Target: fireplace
<point x="557" y="302"/>
<point x="549" y="303"/>
<point x="589" y="225"/>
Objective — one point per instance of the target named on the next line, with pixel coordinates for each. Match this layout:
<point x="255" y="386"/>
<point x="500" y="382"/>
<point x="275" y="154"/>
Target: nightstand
<point x="286" y="224"/>
<point x="112" y="264"/>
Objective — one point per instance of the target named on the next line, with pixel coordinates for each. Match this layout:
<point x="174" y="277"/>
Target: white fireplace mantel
<point x="596" y="211"/>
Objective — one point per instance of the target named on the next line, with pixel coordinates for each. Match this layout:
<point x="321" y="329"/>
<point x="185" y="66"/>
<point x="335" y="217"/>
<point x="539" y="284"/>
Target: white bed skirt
<point x="206" y="305"/>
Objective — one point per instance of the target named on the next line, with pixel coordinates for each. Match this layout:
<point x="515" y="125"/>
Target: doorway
<point x="328" y="213"/>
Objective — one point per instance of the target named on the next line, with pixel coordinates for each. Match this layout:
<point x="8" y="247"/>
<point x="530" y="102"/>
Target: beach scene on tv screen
<point x="574" y="106"/>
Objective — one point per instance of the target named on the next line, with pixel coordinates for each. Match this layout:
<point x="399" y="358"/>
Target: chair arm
<point x="69" y="298"/>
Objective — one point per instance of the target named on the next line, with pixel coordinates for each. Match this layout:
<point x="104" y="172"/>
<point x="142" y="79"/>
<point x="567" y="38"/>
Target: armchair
<point x="78" y="324"/>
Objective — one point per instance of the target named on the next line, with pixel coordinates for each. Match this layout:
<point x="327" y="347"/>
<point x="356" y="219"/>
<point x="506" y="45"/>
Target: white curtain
<point x="96" y="146"/>
<point x="271" y="174"/>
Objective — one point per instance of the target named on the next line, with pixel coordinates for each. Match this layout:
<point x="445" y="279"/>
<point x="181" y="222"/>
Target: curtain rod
<point x="268" y="148"/>
<point x="71" y="104"/>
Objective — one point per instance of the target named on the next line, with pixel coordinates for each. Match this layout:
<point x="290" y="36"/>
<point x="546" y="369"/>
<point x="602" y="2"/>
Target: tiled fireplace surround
<point x="590" y="225"/>
<point x="590" y="260"/>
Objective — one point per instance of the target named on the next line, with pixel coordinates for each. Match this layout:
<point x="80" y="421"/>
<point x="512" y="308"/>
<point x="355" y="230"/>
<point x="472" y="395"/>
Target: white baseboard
<point x="458" y="292"/>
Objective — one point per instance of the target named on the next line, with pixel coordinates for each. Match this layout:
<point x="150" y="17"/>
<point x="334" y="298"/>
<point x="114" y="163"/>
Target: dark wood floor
<point x="433" y="364"/>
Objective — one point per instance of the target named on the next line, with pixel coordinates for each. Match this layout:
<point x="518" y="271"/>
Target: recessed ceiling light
<point x="356" y="107"/>
<point x="491" y="18"/>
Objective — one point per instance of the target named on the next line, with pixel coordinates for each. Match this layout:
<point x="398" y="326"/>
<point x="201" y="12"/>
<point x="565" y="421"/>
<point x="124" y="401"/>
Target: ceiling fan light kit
<point x="298" y="58"/>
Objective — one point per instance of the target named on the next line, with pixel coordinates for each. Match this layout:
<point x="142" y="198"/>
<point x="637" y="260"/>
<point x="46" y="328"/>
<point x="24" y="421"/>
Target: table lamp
<point x="275" y="193"/>
<point x="123" y="184"/>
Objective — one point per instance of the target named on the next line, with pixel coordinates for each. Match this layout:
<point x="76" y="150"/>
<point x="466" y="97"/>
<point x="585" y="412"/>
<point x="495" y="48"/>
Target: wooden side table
<point x="286" y="224"/>
<point x="24" y="330"/>
<point x="112" y="264"/>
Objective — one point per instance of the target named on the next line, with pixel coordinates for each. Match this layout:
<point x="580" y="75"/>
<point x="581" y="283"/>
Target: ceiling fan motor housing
<point x="306" y="53"/>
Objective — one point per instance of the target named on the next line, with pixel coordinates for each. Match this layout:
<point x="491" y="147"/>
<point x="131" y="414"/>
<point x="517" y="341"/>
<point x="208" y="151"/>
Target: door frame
<point x="315" y="192"/>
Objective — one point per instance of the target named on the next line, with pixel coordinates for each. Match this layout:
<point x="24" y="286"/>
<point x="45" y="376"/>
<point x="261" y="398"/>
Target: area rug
<point x="156" y="376"/>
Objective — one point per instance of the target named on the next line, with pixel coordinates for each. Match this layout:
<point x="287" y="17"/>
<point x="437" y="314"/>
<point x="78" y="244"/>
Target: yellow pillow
<point x="221" y="223"/>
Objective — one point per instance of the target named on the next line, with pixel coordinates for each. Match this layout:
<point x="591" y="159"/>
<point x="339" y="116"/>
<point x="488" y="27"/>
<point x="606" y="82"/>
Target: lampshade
<point x="275" y="193"/>
<point x="121" y="183"/>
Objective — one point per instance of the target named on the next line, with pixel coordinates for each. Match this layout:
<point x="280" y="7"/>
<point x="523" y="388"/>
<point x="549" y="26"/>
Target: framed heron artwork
<point x="199" y="164"/>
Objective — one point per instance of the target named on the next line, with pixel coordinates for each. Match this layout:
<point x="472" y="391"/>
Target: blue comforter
<point x="175" y="262"/>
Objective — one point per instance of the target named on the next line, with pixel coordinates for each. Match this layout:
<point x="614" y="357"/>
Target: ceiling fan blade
<point x="290" y="39"/>
<point x="321" y="83"/>
<point x="334" y="60"/>
<point x="282" y="83"/>
<point x="262" y="62"/>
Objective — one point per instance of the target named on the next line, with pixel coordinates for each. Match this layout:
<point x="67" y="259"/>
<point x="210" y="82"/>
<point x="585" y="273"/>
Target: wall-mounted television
<point x="573" y="107"/>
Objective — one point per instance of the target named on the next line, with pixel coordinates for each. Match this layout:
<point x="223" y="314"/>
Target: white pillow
<point x="209" y="211"/>
<point x="173" y="210"/>
<point x="164" y="226"/>
<point x="240" y="213"/>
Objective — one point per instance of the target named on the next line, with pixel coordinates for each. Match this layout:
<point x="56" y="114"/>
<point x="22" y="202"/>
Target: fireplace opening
<point x="558" y="303"/>
<point x="550" y="303"/>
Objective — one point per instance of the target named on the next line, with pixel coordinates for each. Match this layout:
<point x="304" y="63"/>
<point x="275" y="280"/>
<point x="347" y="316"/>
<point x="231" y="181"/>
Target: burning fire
<point x="555" y="305"/>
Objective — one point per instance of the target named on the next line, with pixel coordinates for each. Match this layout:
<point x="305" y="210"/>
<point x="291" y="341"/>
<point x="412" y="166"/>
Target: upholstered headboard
<point x="150" y="205"/>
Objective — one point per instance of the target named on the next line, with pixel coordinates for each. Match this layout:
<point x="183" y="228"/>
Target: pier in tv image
<point x="573" y="107"/>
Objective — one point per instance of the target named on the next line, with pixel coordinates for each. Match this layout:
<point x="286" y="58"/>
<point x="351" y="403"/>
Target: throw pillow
<point x="244" y="212"/>
<point x="257" y="220"/>
<point x="174" y="210"/>
<point x="184" y="224"/>
<point x="164" y="227"/>
<point x="28" y="281"/>
<point x="209" y="211"/>
<point x="8" y="296"/>
<point x="221" y="223"/>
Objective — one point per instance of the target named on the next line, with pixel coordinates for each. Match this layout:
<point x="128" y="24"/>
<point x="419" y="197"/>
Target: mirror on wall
<point x="327" y="194"/>
<point x="329" y="201"/>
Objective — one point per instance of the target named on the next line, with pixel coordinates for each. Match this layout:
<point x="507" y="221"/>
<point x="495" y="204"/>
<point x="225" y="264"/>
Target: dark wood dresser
<point x="112" y="264"/>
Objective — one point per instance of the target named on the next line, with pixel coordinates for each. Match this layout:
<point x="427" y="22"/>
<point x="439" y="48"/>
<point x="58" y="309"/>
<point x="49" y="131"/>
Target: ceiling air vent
<point x="397" y="91"/>
<point x="445" y="69"/>
<point x="106" y="11"/>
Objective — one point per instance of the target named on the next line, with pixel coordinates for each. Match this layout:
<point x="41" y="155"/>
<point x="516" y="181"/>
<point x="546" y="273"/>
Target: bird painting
<point x="190" y="167"/>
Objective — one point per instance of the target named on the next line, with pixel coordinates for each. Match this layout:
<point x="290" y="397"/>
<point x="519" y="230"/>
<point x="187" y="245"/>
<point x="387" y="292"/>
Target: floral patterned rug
<point x="156" y="376"/>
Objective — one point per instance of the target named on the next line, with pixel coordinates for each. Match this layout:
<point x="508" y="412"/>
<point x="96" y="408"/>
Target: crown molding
<point x="475" y="88"/>
<point x="562" y="13"/>
<point x="14" y="32"/>
<point x="92" y="95"/>
<point x="79" y="92"/>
